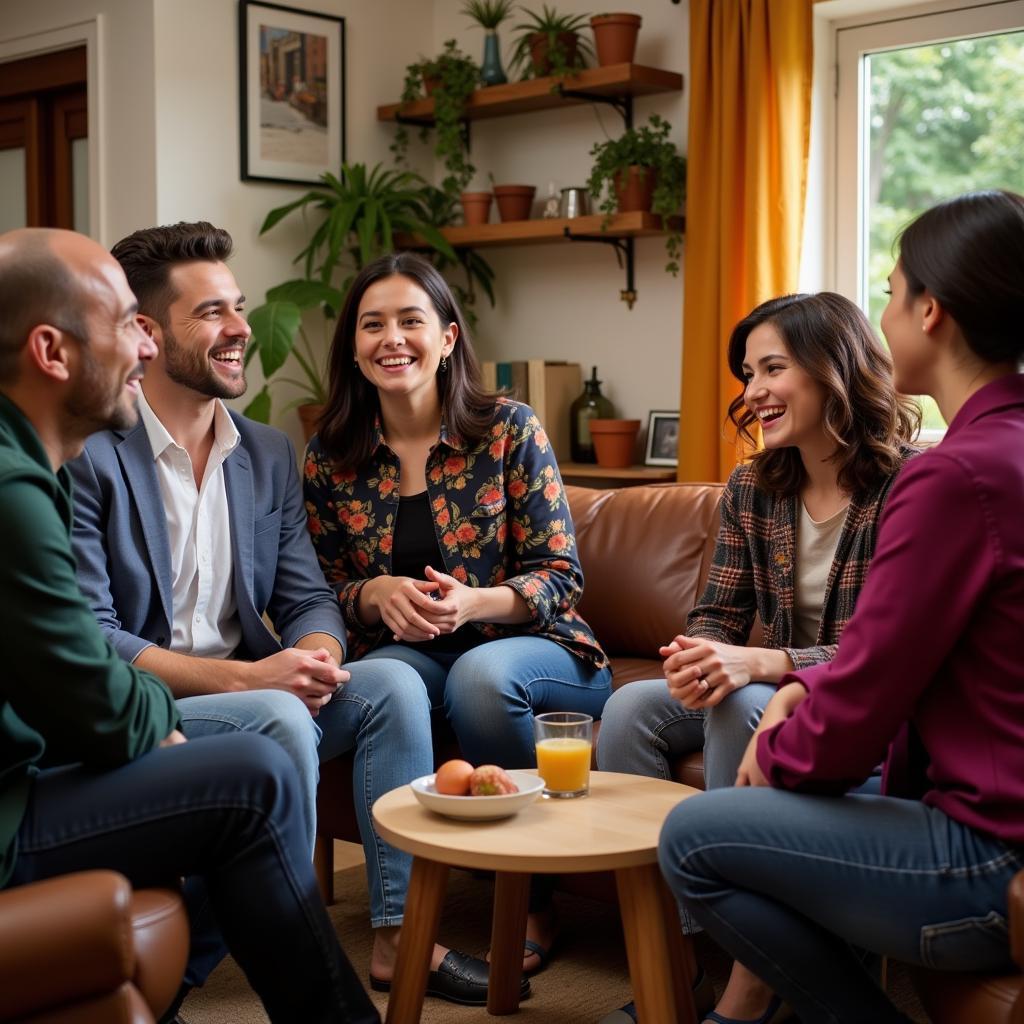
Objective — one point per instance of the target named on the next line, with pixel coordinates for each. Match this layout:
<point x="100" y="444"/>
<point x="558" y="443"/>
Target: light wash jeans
<point x="793" y="886"/>
<point x="491" y="692"/>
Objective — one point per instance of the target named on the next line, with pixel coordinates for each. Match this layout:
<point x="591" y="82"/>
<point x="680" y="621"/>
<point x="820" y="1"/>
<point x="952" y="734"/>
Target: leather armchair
<point x="86" y="949"/>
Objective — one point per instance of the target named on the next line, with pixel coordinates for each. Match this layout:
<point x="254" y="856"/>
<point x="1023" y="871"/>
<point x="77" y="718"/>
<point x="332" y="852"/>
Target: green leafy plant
<point x="363" y="210"/>
<point x="457" y="76"/>
<point x="488" y="14"/>
<point x="648" y="147"/>
<point x="552" y="29"/>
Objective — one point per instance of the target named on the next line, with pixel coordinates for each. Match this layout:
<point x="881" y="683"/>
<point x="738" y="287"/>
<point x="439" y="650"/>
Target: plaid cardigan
<point x="754" y="564"/>
<point x="500" y="515"/>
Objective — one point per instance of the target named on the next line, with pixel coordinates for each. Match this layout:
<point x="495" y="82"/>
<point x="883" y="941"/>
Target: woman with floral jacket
<point x="439" y="518"/>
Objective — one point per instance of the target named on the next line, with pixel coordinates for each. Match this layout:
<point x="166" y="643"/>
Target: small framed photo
<point x="292" y="93"/>
<point x="663" y="438"/>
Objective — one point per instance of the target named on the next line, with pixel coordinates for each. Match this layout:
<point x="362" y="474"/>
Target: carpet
<point x="586" y="978"/>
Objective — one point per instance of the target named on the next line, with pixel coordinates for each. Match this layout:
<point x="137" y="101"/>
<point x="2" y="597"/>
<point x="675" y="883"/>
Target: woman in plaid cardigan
<point x="797" y="534"/>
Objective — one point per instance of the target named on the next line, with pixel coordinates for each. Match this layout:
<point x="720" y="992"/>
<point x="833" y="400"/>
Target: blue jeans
<point x="491" y="692"/>
<point x="645" y="729"/>
<point x="228" y="809"/>
<point x="794" y="885"/>
<point x="383" y="714"/>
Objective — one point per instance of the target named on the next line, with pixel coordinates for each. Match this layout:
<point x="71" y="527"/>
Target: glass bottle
<point x="590" y="405"/>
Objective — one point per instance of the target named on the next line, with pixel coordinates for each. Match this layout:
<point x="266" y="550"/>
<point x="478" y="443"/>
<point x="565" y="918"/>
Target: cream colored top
<point x="816" y="545"/>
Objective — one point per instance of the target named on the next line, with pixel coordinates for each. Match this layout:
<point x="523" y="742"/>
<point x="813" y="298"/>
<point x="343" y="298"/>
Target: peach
<point x="453" y="778"/>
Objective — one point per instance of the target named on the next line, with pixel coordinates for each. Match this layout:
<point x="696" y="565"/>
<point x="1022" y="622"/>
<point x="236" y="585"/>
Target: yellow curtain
<point x="750" y="111"/>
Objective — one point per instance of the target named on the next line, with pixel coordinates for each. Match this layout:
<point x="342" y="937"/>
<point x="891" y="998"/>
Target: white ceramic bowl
<point x="479" y="808"/>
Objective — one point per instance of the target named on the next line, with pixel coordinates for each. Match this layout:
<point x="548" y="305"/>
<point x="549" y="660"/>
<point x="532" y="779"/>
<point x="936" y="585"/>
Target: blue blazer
<point x="124" y="561"/>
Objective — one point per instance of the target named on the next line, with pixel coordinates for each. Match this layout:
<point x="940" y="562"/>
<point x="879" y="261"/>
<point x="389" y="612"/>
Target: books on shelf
<point x="549" y="387"/>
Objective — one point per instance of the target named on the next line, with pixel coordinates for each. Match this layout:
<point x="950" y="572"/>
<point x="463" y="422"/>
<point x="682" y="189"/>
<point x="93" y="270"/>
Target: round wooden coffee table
<point x="615" y="828"/>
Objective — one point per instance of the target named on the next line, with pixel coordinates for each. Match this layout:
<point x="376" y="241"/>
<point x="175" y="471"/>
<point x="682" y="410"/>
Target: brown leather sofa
<point x="87" y="949"/>
<point x="646" y="552"/>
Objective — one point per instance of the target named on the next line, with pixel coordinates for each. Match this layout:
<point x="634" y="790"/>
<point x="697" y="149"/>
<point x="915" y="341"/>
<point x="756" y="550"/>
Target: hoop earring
<point x="444" y="364"/>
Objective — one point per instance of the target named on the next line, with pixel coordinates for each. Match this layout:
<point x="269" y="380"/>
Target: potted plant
<point x="451" y="79"/>
<point x="642" y="169"/>
<point x="615" y="37"/>
<point x="476" y="207"/>
<point x="550" y="43"/>
<point x="364" y="209"/>
<point x="489" y="14"/>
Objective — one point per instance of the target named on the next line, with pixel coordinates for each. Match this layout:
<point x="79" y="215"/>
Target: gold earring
<point x="444" y="364"/>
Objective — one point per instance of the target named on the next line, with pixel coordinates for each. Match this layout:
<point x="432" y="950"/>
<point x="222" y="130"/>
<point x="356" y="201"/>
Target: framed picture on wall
<point x="662" y="438"/>
<point x="291" y="92"/>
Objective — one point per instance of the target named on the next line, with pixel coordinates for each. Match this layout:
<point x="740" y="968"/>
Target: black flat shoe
<point x="460" y="979"/>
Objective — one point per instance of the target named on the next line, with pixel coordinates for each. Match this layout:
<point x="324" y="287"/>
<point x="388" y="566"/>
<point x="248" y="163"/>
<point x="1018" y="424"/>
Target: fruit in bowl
<point x="490" y="780"/>
<point x="453" y="778"/>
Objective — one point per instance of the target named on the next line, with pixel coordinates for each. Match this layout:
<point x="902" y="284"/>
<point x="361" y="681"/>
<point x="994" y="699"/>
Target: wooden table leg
<point x="654" y="945"/>
<point x="508" y="930"/>
<point x="419" y="932"/>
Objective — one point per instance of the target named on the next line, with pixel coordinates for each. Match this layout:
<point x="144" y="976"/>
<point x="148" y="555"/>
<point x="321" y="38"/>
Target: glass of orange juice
<point x="564" y="740"/>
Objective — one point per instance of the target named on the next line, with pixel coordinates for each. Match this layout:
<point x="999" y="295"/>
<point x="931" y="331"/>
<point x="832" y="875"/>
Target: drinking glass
<point x="564" y="742"/>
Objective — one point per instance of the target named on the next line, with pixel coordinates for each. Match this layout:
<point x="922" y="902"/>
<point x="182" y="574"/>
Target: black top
<point x="415" y="547"/>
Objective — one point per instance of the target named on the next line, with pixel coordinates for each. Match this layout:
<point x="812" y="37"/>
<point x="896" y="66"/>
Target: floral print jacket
<point x="500" y="515"/>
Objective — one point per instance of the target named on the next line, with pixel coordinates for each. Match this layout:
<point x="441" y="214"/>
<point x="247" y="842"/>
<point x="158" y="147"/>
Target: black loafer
<point x="460" y="979"/>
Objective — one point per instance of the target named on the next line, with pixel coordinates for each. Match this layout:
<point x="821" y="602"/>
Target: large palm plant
<point x="364" y="210"/>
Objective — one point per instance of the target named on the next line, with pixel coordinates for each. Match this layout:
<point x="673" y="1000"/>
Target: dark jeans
<point x="228" y="808"/>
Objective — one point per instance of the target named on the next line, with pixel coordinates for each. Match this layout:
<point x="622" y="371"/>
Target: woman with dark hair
<point x="439" y="518"/>
<point x="796" y="537"/>
<point x="929" y="665"/>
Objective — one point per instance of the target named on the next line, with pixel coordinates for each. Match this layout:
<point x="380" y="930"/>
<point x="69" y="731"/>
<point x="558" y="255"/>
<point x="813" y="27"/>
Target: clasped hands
<point x="418" y="610"/>
<point x="701" y="673"/>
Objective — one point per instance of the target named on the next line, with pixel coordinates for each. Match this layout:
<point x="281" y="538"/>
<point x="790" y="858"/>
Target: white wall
<point x="562" y="301"/>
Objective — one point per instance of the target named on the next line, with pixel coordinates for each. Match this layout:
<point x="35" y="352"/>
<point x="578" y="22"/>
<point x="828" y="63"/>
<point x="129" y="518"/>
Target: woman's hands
<point x="778" y="709"/>
<point x="401" y="603"/>
<point x="702" y="673"/>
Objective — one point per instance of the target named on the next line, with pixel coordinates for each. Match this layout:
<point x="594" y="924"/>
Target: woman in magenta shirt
<point x="795" y="879"/>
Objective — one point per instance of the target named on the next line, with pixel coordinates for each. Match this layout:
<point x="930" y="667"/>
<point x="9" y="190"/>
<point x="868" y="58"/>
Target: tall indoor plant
<point x="363" y="210"/>
<point x="642" y="160"/>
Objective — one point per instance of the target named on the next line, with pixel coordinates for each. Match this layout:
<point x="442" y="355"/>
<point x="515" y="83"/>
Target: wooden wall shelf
<point x="628" y="477"/>
<point x="614" y="80"/>
<point x="556" y="229"/>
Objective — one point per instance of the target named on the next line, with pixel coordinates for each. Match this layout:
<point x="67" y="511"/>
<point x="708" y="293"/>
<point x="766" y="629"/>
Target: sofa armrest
<point x="1016" y="901"/>
<point x="64" y="939"/>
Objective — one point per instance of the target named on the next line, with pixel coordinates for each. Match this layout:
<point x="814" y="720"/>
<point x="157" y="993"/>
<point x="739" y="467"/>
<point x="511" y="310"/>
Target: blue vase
<point x="492" y="72"/>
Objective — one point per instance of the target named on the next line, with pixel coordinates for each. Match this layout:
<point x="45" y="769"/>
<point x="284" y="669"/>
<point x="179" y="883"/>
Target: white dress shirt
<point x="205" y="612"/>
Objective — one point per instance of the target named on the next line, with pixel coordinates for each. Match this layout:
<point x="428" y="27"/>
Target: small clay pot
<point x="634" y="190"/>
<point x="476" y="207"/>
<point x="514" y="201"/>
<point x="569" y="44"/>
<point x="615" y="37"/>
<point x="614" y="442"/>
<point x="431" y="84"/>
<point x="309" y="417"/>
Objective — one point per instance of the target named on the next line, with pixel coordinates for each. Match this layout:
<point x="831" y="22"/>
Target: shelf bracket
<point x="623" y="104"/>
<point x="625" y="254"/>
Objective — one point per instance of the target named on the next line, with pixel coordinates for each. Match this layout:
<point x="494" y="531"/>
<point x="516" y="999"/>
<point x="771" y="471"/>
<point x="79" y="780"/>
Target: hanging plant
<point x="451" y="79"/>
<point x="642" y="154"/>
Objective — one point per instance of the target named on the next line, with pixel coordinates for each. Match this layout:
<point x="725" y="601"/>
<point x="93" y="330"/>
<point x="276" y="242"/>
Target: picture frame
<point x="291" y="93"/>
<point x="662" y="438"/>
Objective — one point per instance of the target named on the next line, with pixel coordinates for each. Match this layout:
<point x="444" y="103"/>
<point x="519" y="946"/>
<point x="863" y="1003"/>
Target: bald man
<point x="131" y="794"/>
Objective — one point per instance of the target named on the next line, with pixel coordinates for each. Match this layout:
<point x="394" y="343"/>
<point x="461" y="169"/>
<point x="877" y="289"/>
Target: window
<point x="928" y="106"/>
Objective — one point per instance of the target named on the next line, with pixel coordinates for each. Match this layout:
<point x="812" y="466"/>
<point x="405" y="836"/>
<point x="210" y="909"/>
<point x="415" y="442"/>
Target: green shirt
<point x="65" y="695"/>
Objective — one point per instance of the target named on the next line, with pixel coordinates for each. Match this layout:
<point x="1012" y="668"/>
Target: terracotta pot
<point x="476" y="207"/>
<point x="635" y="190"/>
<point x="431" y="84"/>
<point x="309" y="417"/>
<point x="614" y="442"/>
<point x="615" y="37"/>
<point x="542" y="65"/>
<point x="514" y="201"/>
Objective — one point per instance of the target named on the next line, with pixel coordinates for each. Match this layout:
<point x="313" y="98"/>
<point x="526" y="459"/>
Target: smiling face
<point x="400" y="339"/>
<point x="103" y="392"/>
<point x="204" y="334"/>
<point x="788" y="402"/>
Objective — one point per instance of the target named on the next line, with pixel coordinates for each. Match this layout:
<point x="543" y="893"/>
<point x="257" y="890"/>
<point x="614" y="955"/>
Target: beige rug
<point x="586" y="978"/>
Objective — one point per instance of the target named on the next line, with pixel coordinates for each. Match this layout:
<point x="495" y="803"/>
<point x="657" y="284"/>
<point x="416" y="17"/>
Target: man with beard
<point x="190" y="526"/>
<point x="94" y="772"/>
